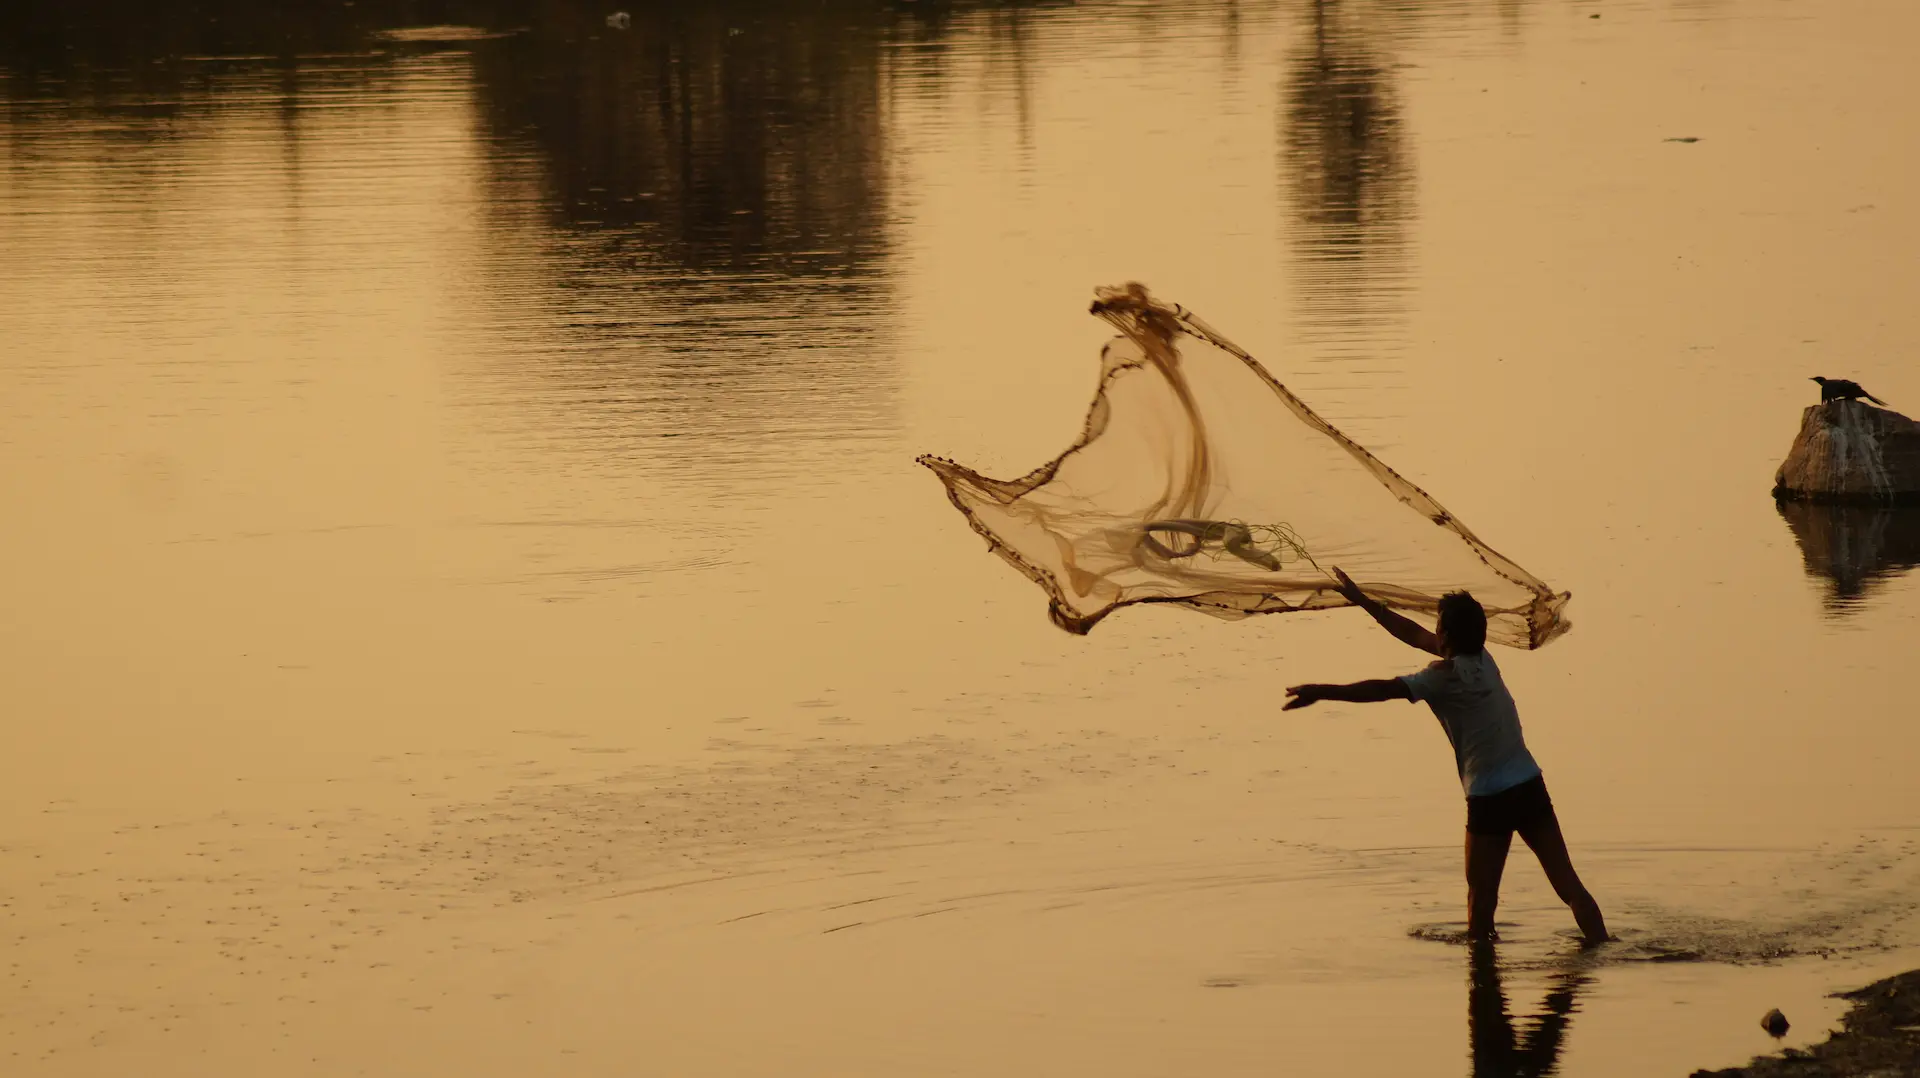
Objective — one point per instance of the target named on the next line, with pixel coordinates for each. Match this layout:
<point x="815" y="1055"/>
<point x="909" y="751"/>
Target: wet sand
<point x="472" y="608"/>
<point x="1880" y="1035"/>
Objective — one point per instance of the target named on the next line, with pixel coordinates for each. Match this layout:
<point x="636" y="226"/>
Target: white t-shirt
<point x="1477" y="712"/>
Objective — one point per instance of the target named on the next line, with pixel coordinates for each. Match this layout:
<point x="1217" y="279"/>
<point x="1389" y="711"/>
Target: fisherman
<point x="1505" y="789"/>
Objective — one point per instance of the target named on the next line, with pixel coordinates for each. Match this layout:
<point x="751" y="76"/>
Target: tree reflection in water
<point x="1343" y="149"/>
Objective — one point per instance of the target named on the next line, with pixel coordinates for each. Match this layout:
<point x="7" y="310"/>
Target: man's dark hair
<point x="1463" y="623"/>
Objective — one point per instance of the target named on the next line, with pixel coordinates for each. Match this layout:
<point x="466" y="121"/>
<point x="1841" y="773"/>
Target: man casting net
<point x="1200" y="480"/>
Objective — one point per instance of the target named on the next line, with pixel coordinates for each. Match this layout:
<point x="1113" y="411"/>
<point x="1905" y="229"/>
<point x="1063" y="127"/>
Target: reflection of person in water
<point x="1505" y="790"/>
<point x="1497" y="1051"/>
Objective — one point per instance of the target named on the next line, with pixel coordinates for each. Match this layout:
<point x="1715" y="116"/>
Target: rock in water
<point x="1850" y="451"/>
<point x="1775" y="1023"/>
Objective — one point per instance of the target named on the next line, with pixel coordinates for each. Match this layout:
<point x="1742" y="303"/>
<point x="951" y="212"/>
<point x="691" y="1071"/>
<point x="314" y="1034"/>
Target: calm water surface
<point x="470" y="606"/>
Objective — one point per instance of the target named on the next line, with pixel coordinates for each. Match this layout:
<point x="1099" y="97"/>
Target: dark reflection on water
<point x="1344" y="151"/>
<point x="703" y="244"/>
<point x="1854" y="548"/>
<point x="83" y="48"/>
<point x="683" y="225"/>
<point x="1502" y="1048"/>
<point x="727" y="135"/>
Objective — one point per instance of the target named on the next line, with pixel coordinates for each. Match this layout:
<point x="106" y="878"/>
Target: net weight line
<point x="1269" y="546"/>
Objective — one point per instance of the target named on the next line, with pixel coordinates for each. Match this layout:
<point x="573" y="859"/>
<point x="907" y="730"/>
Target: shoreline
<point x="1879" y="1036"/>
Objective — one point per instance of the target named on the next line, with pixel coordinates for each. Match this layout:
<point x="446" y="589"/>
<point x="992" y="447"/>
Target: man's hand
<point x="1407" y="632"/>
<point x="1303" y="695"/>
<point x="1348" y="589"/>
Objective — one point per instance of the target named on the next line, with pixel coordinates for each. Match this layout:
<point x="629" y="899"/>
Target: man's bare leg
<point x="1486" y="860"/>
<point x="1544" y="838"/>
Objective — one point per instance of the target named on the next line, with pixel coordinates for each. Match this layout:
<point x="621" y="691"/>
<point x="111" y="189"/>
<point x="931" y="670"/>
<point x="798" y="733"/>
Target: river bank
<point x="1880" y="1036"/>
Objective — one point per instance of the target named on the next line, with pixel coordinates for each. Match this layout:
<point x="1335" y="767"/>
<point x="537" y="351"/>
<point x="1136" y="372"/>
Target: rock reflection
<point x="1350" y="171"/>
<point x="1499" y="1049"/>
<point x="1854" y="548"/>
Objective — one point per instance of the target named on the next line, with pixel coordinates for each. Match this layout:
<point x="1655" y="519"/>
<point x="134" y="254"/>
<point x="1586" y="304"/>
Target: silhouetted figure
<point x="1498" y="1051"/>
<point x="1839" y="389"/>
<point x="1505" y="789"/>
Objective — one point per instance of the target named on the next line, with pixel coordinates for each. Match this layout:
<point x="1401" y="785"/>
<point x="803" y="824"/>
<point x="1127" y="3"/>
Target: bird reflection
<point x="1854" y="548"/>
<point x="1501" y="1049"/>
<point x="1350" y="171"/>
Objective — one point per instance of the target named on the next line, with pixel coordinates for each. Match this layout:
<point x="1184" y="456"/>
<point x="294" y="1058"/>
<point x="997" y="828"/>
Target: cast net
<point x="1200" y="480"/>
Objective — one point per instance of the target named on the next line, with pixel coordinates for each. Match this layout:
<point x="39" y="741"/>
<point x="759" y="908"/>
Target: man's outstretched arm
<point x="1359" y="692"/>
<point x="1406" y="630"/>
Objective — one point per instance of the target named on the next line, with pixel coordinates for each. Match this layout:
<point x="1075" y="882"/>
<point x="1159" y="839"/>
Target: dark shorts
<point x="1511" y="809"/>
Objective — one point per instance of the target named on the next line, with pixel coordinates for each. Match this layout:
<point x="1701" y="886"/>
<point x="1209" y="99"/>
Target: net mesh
<point x="1200" y="480"/>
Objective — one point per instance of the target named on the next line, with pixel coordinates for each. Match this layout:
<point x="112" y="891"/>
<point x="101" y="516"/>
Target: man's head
<point x="1463" y="625"/>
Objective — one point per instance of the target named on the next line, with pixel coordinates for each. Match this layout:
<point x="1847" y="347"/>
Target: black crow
<point x="1839" y="389"/>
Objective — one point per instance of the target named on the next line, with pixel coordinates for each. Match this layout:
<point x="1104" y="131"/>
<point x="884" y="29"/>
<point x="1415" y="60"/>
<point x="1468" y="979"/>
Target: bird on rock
<point x="1840" y="389"/>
